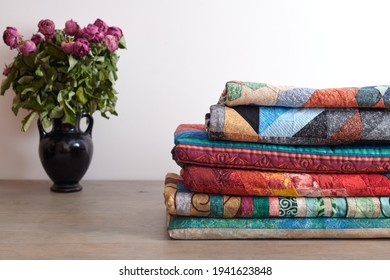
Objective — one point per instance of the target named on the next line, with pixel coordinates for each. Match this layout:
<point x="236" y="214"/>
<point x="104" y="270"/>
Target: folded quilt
<point x="247" y="93"/>
<point x="182" y="227"/>
<point x="193" y="147"/>
<point x="230" y="181"/>
<point x="299" y="126"/>
<point x="180" y="201"/>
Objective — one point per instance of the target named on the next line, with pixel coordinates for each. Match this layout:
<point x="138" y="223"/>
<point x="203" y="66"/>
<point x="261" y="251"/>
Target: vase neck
<point x="58" y="126"/>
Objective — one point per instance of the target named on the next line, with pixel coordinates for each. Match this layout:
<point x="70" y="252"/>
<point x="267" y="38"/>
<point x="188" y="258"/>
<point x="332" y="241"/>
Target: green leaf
<point x="26" y="90"/>
<point x="103" y="75"/>
<point x="111" y="77"/>
<point x="58" y="37"/>
<point x="26" y="122"/>
<point x="39" y="72"/>
<point x="81" y="96"/>
<point x="70" y="115"/>
<point x="46" y="59"/>
<point x="16" y="104"/>
<point x="122" y="43"/>
<point x="38" y="84"/>
<point x="39" y="100"/>
<point x="51" y="75"/>
<point x="92" y="106"/>
<point x="46" y="122"/>
<point x="88" y="84"/>
<point x="57" y="112"/>
<point x="72" y="62"/>
<point x="28" y="60"/>
<point x="100" y="59"/>
<point x="25" y="80"/>
<point x="5" y="84"/>
<point x="55" y="51"/>
<point x="70" y="95"/>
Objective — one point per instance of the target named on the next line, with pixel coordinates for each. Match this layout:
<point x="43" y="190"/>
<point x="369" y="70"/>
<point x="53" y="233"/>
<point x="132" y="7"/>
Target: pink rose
<point x="71" y="28"/>
<point x="46" y="27"/>
<point x="67" y="47"/>
<point x="92" y="33"/>
<point x="111" y="42"/>
<point x="115" y="31"/>
<point x="27" y="47"/>
<point x="103" y="27"/>
<point x="81" y="47"/>
<point x="7" y="70"/>
<point x="80" y="33"/>
<point x="11" y="37"/>
<point x="36" y="38"/>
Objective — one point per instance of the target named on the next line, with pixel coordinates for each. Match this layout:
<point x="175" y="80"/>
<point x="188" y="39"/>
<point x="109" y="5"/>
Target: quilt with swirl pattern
<point x="192" y="147"/>
<point x="180" y="201"/>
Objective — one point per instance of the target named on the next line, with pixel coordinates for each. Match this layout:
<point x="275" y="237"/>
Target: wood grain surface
<point x="126" y="220"/>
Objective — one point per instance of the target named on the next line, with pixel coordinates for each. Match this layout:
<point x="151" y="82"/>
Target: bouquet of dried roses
<point x="59" y="73"/>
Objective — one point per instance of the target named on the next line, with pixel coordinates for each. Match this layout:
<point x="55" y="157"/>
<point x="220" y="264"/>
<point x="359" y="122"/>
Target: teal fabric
<point x="199" y="138"/>
<point x="260" y="206"/>
<point x="216" y="206"/>
<point x="181" y="222"/>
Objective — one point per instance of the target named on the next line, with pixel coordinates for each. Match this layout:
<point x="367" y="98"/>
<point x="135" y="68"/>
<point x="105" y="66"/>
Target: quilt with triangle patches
<point x="299" y="126"/>
<point x="249" y="93"/>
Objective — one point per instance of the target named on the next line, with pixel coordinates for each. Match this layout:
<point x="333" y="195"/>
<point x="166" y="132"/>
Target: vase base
<point x="66" y="188"/>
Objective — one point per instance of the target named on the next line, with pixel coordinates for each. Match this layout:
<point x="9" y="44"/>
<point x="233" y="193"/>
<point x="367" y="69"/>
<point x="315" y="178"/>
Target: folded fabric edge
<point x="223" y="233"/>
<point x="237" y="93"/>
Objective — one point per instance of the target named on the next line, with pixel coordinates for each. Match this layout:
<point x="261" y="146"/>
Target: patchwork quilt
<point x="182" y="227"/>
<point x="180" y="201"/>
<point x="299" y="126"/>
<point x="192" y="147"/>
<point x="248" y="93"/>
<point x="229" y="181"/>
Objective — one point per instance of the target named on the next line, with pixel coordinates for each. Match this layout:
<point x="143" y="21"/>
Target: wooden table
<point x="126" y="220"/>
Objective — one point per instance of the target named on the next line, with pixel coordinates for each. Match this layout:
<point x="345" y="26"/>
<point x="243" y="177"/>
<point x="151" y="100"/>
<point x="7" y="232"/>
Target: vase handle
<point x="42" y="131"/>
<point x="90" y="123"/>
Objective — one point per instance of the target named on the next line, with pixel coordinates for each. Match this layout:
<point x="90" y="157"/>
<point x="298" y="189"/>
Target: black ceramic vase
<point x="66" y="152"/>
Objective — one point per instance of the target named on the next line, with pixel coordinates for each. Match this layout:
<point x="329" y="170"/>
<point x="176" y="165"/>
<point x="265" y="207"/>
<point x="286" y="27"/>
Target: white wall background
<point x="180" y="54"/>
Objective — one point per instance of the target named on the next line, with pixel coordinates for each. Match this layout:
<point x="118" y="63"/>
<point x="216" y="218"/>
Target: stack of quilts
<point x="284" y="162"/>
